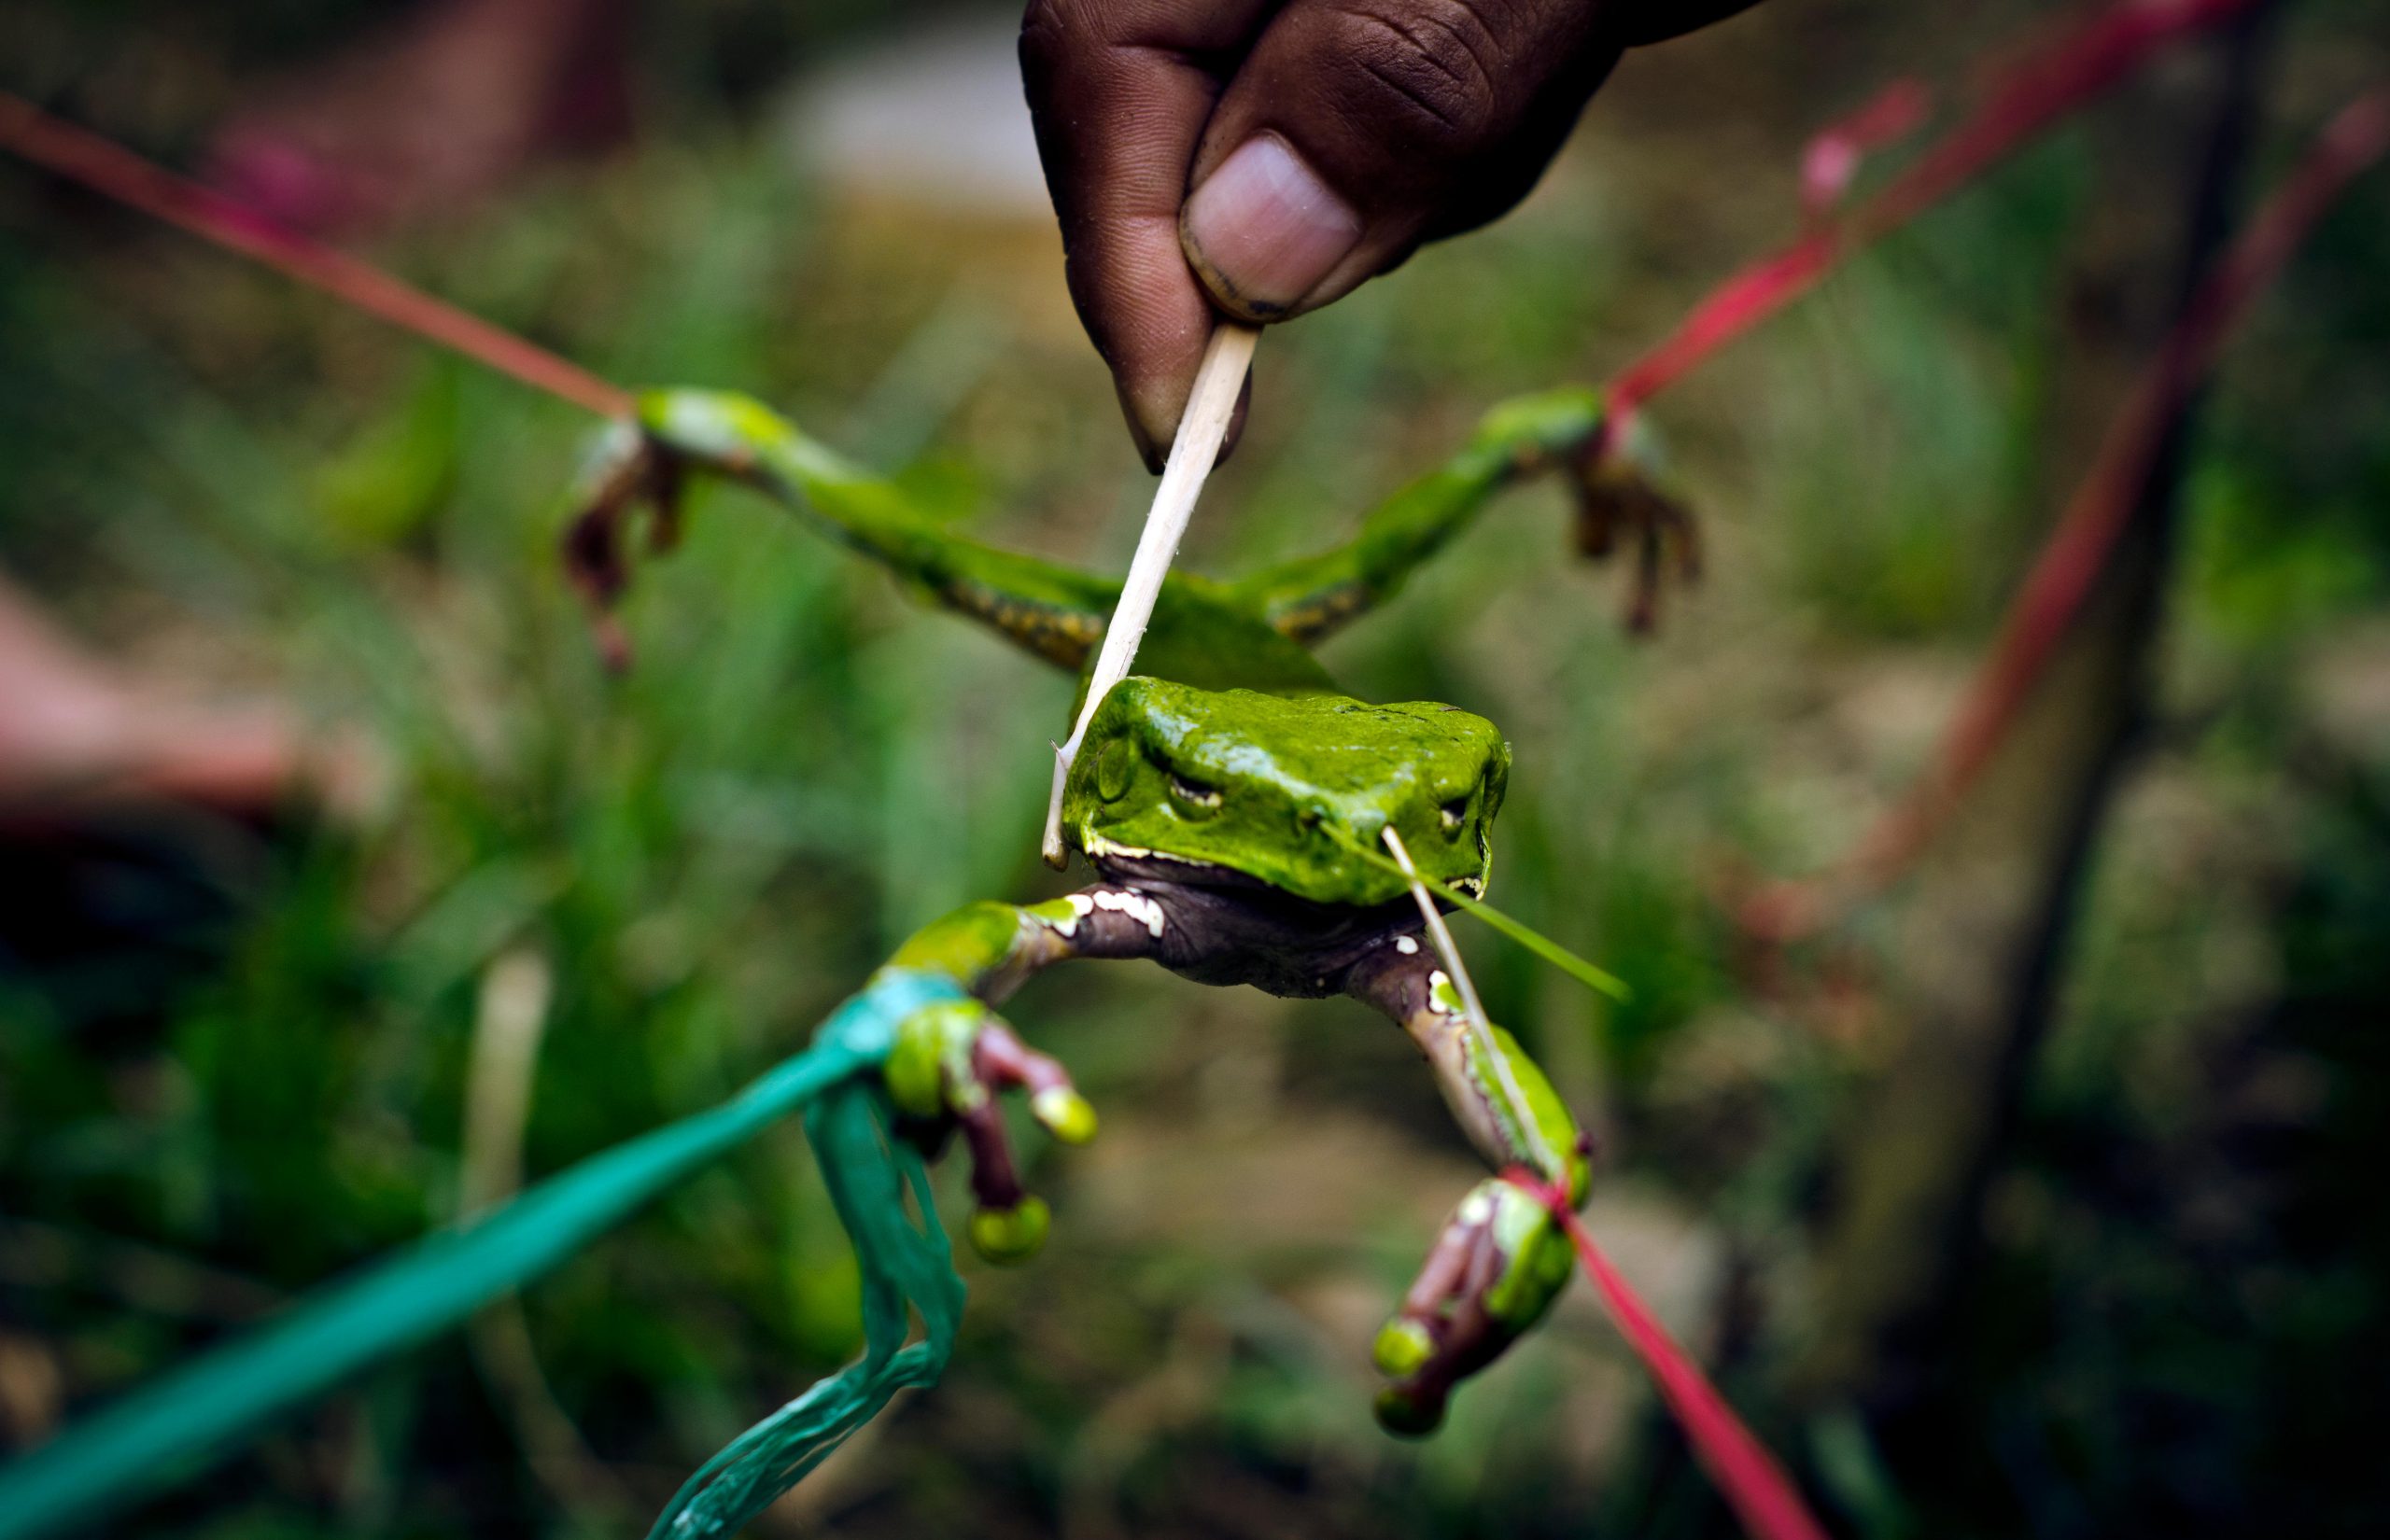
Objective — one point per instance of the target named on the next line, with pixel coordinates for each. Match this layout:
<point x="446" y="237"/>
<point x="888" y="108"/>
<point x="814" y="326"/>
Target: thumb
<point x="1356" y="129"/>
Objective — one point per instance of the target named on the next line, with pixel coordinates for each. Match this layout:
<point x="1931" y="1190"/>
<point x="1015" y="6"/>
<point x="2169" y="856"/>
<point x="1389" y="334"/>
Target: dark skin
<point x="1354" y="129"/>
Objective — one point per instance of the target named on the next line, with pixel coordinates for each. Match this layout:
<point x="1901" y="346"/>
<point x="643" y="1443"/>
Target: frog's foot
<point x="1490" y="1276"/>
<point x="1622" y="497"/>
<point x="629" y="473"/>
<point x="951" y="1061"/>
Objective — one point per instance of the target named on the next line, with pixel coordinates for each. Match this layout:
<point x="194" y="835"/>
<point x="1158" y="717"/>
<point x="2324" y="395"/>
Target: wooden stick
<point x="1481" y="1026"/>
<point x="1201" y="432"/>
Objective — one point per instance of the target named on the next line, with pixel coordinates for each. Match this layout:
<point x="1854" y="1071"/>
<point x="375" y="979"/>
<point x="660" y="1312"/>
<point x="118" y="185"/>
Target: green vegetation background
<point x="232" y="1066"/>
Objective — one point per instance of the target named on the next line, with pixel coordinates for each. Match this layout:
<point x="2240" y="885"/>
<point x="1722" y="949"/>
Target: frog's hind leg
<point x="1560" y="430"/>
<point x="1501" y="1259"/>
<point x="1048" y="610"/>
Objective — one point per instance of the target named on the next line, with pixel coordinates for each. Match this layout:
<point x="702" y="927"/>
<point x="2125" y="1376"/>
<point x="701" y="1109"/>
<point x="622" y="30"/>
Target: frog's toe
<point x="1410" y="1412"/>
<point x="1486" y="1280"/>
<point x="1006" y="1063"/>
<point x="627" y="472"/>
<point x="1622" y="494"/>
<point x="1005" y="1235"/>
<point x="950" y="1065"/>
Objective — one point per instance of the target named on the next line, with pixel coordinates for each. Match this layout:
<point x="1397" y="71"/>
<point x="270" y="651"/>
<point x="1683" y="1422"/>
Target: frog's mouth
<point x="1132" y="865"/>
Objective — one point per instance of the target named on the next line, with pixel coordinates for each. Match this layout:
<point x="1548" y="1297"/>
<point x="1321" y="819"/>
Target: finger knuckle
<point x="1432" y="68"/>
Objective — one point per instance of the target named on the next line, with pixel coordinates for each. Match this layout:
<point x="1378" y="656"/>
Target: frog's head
<point x="1233" y="785"/>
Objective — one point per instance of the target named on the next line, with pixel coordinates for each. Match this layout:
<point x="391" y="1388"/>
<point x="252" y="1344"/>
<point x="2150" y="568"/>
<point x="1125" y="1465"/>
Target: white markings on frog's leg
<point x="1442" y="998"/>
<point x="1080" y="906"/>
<point x="1476" y="1209"/>
<point x="1138" y="907"/>
<point x="1407" y="946"/>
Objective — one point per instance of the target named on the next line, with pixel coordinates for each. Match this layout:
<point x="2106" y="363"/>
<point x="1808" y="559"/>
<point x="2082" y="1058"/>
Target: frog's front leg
<point x="1501" y="1259"/>
<point x="952" y="1059"/>
<point x="1048" y="610"/>
<point x="1614" y="469"/>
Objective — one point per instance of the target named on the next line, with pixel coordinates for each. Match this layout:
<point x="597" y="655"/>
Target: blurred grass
<point x="221" y="476"/>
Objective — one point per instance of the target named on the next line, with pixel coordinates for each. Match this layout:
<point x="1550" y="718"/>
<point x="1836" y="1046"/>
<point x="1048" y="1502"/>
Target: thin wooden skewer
<point x="1201" y="432"/>
<point x="1481" y="1026"/>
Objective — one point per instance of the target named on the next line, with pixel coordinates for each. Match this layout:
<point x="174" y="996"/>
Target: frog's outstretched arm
<point x="1048" y="610"/>
<point x="1500" y="1260"/>
<point x="1311" y="597"/>
<point x="951" y="1058"/>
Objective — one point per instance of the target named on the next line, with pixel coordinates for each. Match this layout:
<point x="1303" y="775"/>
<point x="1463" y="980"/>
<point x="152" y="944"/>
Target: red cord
<point x="1748" y="1477"/>
<point x="1831" y="161"/>
<point x="2053" y="82"/>
<point x="83" y="156"/>
<point x="2077" y="550"/>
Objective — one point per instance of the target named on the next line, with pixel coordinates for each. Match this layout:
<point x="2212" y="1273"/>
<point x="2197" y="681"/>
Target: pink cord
<point x="1748" y="1477"/>
<point x="2054" y="81"/>
<point x="114" y="172"/>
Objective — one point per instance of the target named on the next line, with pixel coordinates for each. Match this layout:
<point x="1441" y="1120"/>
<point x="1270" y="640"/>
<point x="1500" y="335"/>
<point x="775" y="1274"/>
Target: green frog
<point x="1230" y="801"/>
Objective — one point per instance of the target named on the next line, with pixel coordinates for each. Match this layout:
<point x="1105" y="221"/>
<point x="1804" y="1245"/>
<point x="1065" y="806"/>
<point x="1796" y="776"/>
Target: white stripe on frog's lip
<point x="1093" y="844"/>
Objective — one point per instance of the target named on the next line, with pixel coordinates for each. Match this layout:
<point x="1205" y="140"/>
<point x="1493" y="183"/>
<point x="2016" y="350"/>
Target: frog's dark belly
<point x="1230" y="930"/>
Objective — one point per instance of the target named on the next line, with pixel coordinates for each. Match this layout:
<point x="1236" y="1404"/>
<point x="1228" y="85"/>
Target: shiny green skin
<point x="1284" y="788"/>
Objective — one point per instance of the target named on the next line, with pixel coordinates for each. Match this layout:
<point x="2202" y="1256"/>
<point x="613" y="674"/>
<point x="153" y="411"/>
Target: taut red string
<point x="2095" y="518"/>
<point x="81" y="156"/>
<point x="2028" y="99"/>
<point x="1746" y="1475"/>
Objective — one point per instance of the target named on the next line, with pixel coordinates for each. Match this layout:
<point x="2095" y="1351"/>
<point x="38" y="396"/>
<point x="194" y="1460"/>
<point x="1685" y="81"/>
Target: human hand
<point x="1263" y="157"/>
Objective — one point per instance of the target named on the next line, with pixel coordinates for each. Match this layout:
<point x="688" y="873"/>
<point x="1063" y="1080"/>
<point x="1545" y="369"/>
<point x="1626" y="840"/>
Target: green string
<point x="905" y="1267"/>
<point x="171" y="1429"/>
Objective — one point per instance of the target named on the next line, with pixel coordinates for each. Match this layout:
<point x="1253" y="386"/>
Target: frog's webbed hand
<point x="1624" y="492"/>
<point x="625" y="475"/>
<point x="1046" y="608"/>
<point x="952" y="1059"/>
<point x="1613" y="474"/>
<point x="1501" y="1259"/>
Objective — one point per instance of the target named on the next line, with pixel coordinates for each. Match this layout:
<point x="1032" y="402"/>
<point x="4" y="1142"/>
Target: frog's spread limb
<point x="1048" y="610"/>
<point x="952" y="1059"/>
<point x="1499" y="1260"/>
<point x="1059" y="614"/>
<point x="1613" y="470"/>
<point x="1487" y="1050"/>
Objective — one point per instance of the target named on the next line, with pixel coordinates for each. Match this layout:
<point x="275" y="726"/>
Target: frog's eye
<point x="1114" y="770"/>
<point x="1194" y="798"/>
<point x="1456" y="814"/>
